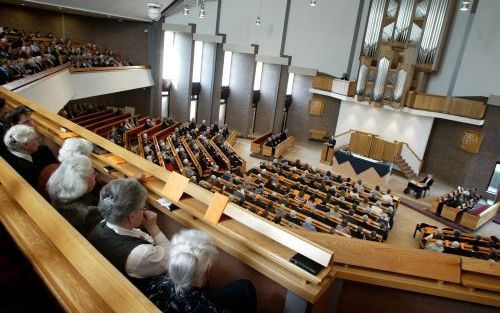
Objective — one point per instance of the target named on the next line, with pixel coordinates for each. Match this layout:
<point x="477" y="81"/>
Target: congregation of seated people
<point x="454" y="241"/>
<point x="23" y="54"/>
<point x="304" y="198"/>
<point x="275" y="139"/>
<point x="172" y="274"/>
<point x="464" y="199"/>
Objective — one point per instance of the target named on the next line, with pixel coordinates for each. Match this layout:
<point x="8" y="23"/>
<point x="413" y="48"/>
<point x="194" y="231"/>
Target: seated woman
<point x="138" y="255"/>
<point x="70" y="148"/>
<point x="192" y="254"/>
<point x="74" y="146"/>
<point x="25" y="154"/>
<point x="70" y="188"/>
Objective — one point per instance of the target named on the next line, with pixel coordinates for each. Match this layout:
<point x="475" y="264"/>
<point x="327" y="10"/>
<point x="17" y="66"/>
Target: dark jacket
<point x="82" y="213"/>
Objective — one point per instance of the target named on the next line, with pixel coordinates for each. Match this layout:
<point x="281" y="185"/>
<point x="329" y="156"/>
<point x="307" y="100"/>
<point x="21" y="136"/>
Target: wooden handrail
<point x="344" y="133"/>
<point x="411" y="150"/>
<point x="74" y="70"/>
<point x="35" y="77"/>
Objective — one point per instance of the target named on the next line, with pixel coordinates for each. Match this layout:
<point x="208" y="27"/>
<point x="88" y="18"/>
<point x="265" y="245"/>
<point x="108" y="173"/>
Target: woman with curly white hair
<point x="70" y="188"/>
<point x="192" y="253"/>
<point x="70" y="148"/>
<point x="74" y="146"/>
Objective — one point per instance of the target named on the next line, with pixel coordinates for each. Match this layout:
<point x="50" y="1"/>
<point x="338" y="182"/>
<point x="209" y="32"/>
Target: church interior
<point x="250" y="156"/>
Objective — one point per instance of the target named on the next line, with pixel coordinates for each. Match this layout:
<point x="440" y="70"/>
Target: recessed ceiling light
<point x="313" y="3"/>
<point x="465" y="7"/>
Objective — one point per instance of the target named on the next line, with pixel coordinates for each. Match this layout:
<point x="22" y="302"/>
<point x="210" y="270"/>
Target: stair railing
<point x="411" y="157"/>
<point x="342" y="139"/>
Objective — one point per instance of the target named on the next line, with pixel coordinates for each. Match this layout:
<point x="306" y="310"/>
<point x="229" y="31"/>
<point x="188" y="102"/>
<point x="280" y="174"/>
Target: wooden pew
<point x="178" y="161"/>
<point x="191" y="156"/>
<point x="221" y="154"/>
<point x="90" y="115"/>
<point x="131" y="136"/>
<point x="96" y="119"/>
<point x="96" y="125"/>
<point x="205" y="152"/>
<point x="232" y="138"/>
<point x="104" y="130"/>
<point x="284" y="146"/>
<point x="257" y="143"/>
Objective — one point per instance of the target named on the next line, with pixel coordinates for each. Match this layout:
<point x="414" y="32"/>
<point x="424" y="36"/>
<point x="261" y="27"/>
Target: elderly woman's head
<point x="74" y="146"/>
<point x="22" y="138"/>
<point x="72" y="179"/>
<point x="191" y="255"/>
<point x="122" y="201"/>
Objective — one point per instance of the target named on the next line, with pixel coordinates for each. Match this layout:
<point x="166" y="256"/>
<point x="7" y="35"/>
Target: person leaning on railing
<point x="192" y="253"/>
<point x="138" y="255"/>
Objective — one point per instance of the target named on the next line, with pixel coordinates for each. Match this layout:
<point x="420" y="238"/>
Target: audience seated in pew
<point x="25" y="154"/>
<point x="70" y="189"/>
<point x="191" y="256"/>
<point x="447" y="240"/>
<point x="22" y="54"/>
<point x="138" y="255"/>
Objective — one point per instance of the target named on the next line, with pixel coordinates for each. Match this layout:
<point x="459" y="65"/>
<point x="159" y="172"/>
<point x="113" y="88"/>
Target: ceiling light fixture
<point x="189" y="4"/>
<point x="154" y="11"/>
<point x="465" y="7"/>
<point x="313" y="3"/>
<point x="258" y="21"/>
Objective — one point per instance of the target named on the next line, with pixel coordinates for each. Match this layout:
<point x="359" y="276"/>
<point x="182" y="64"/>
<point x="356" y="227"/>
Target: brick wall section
<point x="299" y="121"/>
<point x="454" y="166"/>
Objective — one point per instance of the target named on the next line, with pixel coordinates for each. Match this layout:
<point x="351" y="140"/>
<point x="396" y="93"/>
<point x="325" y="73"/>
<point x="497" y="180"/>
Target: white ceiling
<point x="125" y="9"/>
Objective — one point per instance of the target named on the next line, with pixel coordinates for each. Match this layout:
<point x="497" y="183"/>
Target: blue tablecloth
<point x="361" y="164"/>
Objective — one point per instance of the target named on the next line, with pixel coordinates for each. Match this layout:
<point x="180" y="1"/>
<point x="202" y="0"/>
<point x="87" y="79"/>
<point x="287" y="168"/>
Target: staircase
<point x="405" y="168"/>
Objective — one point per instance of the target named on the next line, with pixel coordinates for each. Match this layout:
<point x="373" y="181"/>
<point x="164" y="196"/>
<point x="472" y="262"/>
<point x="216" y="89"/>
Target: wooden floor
<point x="406" y="218"/>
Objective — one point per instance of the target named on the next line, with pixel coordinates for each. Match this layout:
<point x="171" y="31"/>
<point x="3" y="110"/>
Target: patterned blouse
<point x="161" y="292"/>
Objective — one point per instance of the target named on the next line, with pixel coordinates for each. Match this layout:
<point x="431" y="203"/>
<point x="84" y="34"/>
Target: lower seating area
<point x="447" y="240"/>
<point x="305" y="199"/>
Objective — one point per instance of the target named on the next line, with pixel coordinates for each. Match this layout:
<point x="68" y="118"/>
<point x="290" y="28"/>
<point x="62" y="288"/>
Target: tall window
<point x="196" y="88"/>
<point x="222" y="111"/>
<point x="168" y="56"/>
<point x="164" y="103"/>
<point x="193" y="107"/>
<point x="494" y="180"/>
<point x="198" y="56"/>
<point x="289" y="86"/>
<point x="258" y="76"/>
<point x="226" y="70"/>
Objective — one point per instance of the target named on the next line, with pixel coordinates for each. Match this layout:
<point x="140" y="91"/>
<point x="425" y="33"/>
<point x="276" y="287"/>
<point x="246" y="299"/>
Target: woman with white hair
<point x="74" y="146"/>
<point x="25" y="154"/>
<point x="137" y="254"/>
<point x="70" y="188"/>
<point x="70" y="148"/>
<point x="192" y="253"/>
